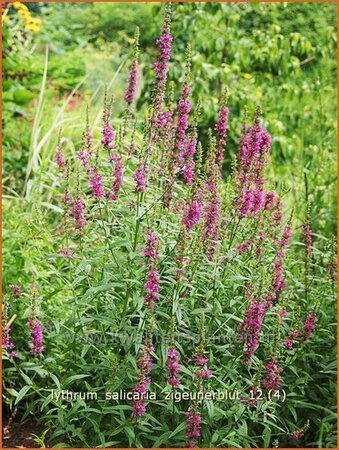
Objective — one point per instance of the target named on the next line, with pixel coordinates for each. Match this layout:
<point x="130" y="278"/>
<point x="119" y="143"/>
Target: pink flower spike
<point x="140" y="178"/>
<point x="16" y="290"/>
<point x="201" y="361"/>
<point x="37" y="336"/>
<point x="96" y="184"/>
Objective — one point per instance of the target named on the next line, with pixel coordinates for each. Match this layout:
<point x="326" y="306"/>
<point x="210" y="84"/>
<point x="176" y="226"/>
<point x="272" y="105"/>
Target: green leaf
<point x="267" y="437"/>
<point x="163" y="438"/>
<point x="73" y="378"/>
<point x="56" y="381"/>
<point x="21" y="394"/>
<point x="22" y="96"/>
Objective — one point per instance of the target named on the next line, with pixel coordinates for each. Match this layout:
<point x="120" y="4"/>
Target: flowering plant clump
<point x="190" y="308"/>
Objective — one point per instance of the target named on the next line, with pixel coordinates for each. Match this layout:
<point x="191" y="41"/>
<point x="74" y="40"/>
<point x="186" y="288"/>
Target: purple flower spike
<point x="192" y="215"/>
<point x="7" y="343"/>
<point x="140" y="178"/>
<point x="37" y="336"/>
<point x="173" y="367"/>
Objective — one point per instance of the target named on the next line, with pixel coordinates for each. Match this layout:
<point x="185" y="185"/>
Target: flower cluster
<point x="65" y="253"/>
<point x="273" y="379"/>
<point x="211" y="235"/>
<point x="36" y="341"/>
<point x="131" y="90"/>
<point x="307" y="234"/>
<point x="332" y="270"/>
<point x="164" y="44"/>
<point x="118" y="175"/>
<point x="254" y="150"/>
<point x="96" y="184"/>
<point x="67" y="199"/>
<point x="16" y="290"/>
<point x="32" y="24"/>
<point x="299" y="433"/>
<point x="244" y="247"/>
<point x="291" y="339"/>
<point x="60" y="160"/>
<point x="7" y="343"/>
<point x="192" y="215"/>
<point x="78" y="214"/>
<point x="85" y="152"/>
<point x="173" y="367"/>
<point x="145" y="365"/>
<point x="202" y="372"/>
<point x="253" y="201"/>
<point x="221" y="129"/>
<point x="152" y="287"/>
<point x="108" y="133"/>
<point x="285" y="238"/>
<point x="193" y="427"/>
<point x="309" y="325"/>
<point x="132" y="84"/>
<point x="282" y="314"/>
<point x="150" y="250"/>
<point x="140" y="178"/>
<point x="187" y="158"/>
<point x="252" y="325"/>
<point x="279" y="283"/>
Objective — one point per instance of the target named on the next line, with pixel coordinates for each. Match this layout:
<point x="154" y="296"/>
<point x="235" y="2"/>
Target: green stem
<point x="135" y="242"/>
<point x="106" y="235"/>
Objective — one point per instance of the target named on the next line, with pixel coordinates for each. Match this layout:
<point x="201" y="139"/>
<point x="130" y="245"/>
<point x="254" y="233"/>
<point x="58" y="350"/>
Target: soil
<point x="20" y="435"/>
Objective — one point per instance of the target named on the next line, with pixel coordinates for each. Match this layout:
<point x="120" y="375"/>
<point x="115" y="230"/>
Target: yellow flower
<point x="24" y="14"/>
<point x="258" y="93"/>
<point x="248" y="76"/>
<point x="20" y="6"/>
<point x="32" y="27"/>
<point x="33" y="24"/>
<point x="5" y="19"/>
<point x="36" y="21"/>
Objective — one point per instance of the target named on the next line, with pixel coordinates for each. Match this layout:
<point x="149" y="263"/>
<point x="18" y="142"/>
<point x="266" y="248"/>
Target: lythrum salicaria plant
<point x="160" y="189"/>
